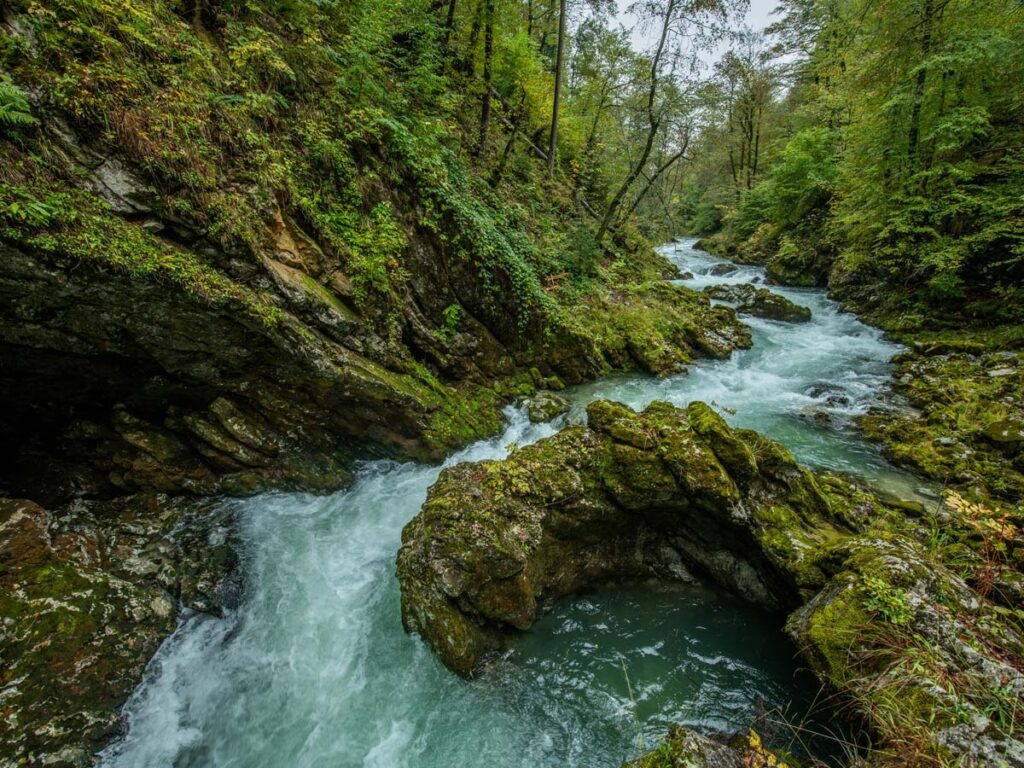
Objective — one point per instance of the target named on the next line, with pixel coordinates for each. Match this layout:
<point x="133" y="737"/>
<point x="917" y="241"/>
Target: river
<point x="314" y="670"/>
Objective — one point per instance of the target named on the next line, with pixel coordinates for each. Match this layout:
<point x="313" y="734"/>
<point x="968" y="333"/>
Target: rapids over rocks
<point x="313" y="668"/>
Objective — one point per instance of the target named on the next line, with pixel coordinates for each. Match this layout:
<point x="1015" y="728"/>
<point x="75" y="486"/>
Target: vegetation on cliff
<point x="355" y="189"/>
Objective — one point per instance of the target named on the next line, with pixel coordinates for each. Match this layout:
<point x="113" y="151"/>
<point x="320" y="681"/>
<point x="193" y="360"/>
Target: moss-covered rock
<point x="964" y="420"/>
<point x="545" y="406"/>
<point x="87" y="594"/>
<point x="665" y="492"/>
<point x="908" y="615"/>
<point x="686" y="748"/>
<point x="760" y="302"/>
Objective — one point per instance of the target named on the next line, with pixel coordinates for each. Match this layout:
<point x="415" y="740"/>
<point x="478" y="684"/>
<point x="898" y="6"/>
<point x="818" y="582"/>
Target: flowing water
<point x="313" y="668"/>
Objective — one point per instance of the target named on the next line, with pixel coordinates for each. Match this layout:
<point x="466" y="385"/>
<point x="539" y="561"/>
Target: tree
<point x="553" y="143"/>
<point x="694" y="22"/>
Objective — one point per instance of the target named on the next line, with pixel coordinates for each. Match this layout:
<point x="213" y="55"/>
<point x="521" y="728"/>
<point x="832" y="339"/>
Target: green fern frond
<point x="15" y="111"/>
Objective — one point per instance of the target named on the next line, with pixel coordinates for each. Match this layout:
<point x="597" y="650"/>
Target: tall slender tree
<point x="559" y="67"/>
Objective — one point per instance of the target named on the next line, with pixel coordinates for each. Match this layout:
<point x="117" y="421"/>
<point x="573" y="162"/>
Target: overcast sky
<point x="758" y="17"/>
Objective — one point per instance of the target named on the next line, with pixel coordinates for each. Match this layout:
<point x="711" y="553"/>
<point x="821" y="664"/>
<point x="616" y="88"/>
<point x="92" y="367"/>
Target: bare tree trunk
<point x="654" y="177"/>
<point x="553" y="143"/>
<point x="485" y="113"/>
<point x="654" y="123"/>
<point x="474" y="32"/>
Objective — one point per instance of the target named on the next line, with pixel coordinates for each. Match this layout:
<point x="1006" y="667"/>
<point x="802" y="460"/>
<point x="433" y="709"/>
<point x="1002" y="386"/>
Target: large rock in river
<point x="760" y="302"/>
<point x="907" y="616"/>
<point x="666" y="492"/>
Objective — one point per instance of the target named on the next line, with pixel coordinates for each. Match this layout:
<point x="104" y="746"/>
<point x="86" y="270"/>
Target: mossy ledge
<point x="877" y="607"/>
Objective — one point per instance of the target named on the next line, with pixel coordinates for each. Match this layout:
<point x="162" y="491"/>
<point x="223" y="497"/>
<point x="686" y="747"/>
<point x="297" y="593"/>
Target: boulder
<point x="722" y="269"/>
<point x="879" y="607"/>
<point x="545" y="406"/>
<point x="667" y="492"/>
<point x="760" y="302"/>
<point x="87" y="593"/>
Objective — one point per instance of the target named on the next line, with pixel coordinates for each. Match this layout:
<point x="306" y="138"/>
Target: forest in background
<point x="879" y="135"/>
<point x="881" y="141"/>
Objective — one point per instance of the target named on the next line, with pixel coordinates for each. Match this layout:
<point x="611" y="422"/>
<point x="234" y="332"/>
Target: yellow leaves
<point x="758" y="755"/>
<point x="994" y="528"/>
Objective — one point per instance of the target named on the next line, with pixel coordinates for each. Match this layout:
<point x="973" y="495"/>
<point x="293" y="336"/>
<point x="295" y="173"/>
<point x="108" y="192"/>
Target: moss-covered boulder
<point x="545" y="406"/>
<point x="910" y="616"/>
<point x="965" y="423"/>
<point x="87" y="594"/>
<point x="686" y="748"/>
<point x="760" y="302"/>
<point x="667" y="492"/>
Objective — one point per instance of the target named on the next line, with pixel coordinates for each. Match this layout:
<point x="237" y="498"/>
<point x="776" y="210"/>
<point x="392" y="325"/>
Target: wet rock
<point x="686" y="275"/>
<point x="797" y="263"/>
<point x="887" y="589"/>
<point x="613" y="500"/>
<point x="972" y="437"/>
<point x="639" y="495"/>
<point x="760" y="302"/>
<point x="1007" y="432"/>
<point x="545" y="406"/>
<point x="686" y="748"/>
<point x="87" y="593"/>
<point x="722" y="269"/>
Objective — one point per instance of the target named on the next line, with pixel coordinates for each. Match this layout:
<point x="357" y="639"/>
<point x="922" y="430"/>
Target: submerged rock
<point x="760" y="302"/>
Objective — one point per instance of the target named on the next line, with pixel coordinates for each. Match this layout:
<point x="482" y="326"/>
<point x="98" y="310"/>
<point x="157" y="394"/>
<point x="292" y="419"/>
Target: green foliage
<point x="886" y="600"/>
<point x="452" y="314"/>
<point x="76" y="225"/>
<point x="375" y="265"/>
<point x="15" y="111"/>
<point x="898" y="146"/>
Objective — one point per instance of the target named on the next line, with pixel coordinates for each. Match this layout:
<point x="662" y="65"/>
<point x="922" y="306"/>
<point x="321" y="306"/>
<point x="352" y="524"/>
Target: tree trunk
<point x="653" y="121"/>
<point x="485" y="112"/>
<point x="517" y="120"/>
<point x="553" y="143"/>
<point x="449" y="24"/>
<point x="654" y="177"/>
<point x="914" y="133"/>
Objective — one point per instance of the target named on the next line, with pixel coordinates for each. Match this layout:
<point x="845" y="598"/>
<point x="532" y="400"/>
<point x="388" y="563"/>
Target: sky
<point x="758" y="17"/>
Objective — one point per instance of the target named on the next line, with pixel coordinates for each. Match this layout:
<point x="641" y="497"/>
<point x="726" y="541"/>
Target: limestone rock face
<point x="760" y="302"/>
<point x="667" y="492"/>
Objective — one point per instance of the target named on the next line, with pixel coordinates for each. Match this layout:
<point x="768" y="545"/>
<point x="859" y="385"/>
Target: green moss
<point x="77" y="225"/>
<point x="960" y="399"/>
<point x="465" y="414"/>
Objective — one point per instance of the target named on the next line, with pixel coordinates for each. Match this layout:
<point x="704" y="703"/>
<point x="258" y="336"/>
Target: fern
<point x="15" y="111"/>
